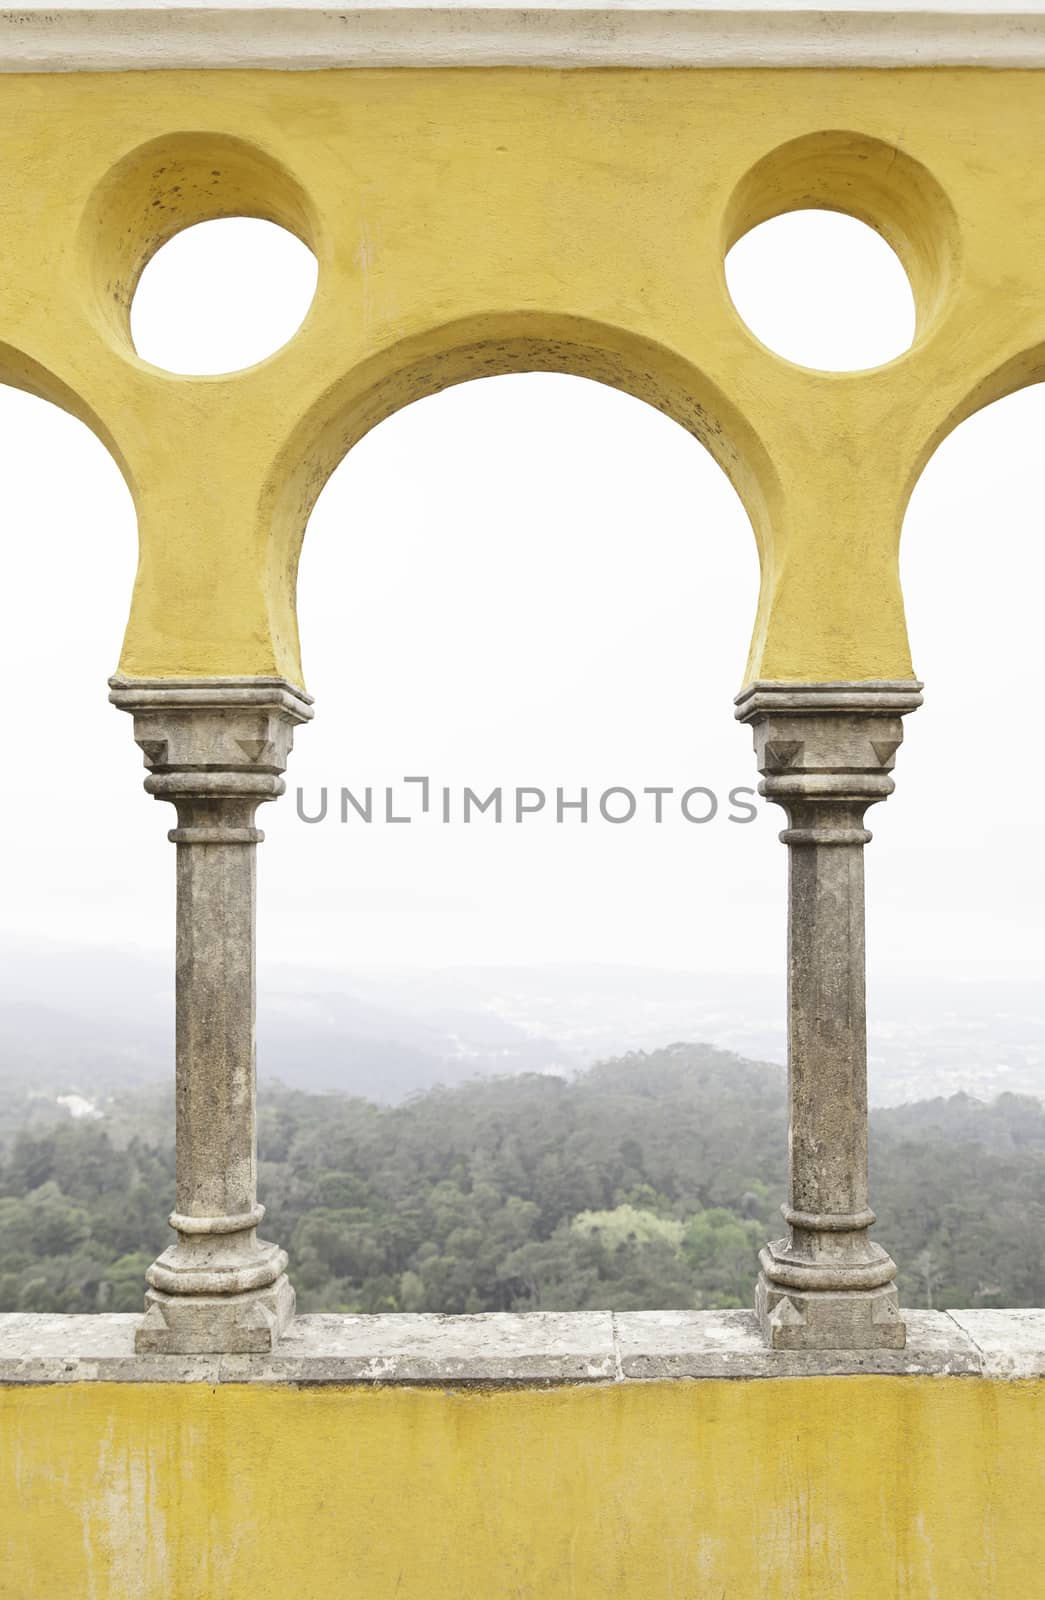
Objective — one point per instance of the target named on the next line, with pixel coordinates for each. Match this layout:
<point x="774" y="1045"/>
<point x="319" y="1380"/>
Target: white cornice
<point x="302" y="35"/>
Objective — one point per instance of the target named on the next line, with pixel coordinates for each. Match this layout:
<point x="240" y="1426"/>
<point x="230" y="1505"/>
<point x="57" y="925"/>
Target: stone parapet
<point x="527" y="1349"/>
<point x="591" y="1456"/>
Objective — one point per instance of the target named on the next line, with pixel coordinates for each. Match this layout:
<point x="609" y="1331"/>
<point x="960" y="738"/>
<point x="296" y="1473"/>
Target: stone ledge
<point x="313" y="35"/>
<point x="1010" y="1344"/>
<point x="537" y="1348"/>
<point x="727" y="1344"/>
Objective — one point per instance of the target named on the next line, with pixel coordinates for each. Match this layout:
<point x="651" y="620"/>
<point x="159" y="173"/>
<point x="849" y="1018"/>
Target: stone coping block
<point x="527" y="1349"/>
<point x="313" y="35"/>
<point x="727" y="1344"/>
<point x="1010" y="1344"/>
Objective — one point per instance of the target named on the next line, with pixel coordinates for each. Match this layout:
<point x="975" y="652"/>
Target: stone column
<point x="826" y="752"/>
<point x="215" y="748"/>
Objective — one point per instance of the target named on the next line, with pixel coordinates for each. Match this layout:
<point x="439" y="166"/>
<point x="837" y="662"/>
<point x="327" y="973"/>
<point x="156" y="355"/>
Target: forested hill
<point x="648" y="1181"/>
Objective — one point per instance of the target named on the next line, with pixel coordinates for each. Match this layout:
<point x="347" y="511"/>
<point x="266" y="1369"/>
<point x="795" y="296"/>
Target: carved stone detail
<point x="826" y="752"/>
<point x="216" y="749"/>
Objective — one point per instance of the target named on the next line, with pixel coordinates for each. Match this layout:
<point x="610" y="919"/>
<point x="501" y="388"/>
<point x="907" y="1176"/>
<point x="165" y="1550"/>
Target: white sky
<point x="535" y="580"/>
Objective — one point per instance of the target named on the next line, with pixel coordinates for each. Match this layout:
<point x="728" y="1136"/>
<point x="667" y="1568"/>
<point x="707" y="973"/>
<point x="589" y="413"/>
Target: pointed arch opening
<point x="960" y="877"/>
<point x="82" y="878"/>
<point x="530" y="581"/>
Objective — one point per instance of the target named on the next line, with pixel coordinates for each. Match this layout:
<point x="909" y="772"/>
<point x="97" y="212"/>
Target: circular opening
<point x="221" y="296"/>
<point x="822" y="289"/>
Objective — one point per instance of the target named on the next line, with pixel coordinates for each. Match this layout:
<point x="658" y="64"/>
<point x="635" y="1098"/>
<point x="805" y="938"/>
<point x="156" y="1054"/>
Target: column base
<point x="829" y="1319"/>
<point x="209" y="1324"/>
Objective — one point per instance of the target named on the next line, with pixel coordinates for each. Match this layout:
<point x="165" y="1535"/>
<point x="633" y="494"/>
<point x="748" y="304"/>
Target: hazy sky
<point x="535" y="581"/>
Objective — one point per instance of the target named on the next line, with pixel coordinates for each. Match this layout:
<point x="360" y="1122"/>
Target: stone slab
<point x="1010" y="1344"/>
<point x="536" y="1348"/>
<point x="727" y="1344"/>
<point x="543" y="1347"/>
<point x="313" y="35"/>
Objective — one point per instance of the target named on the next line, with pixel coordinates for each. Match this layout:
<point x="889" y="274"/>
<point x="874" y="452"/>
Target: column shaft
<point x="827" y="1025"/>
<point x="214" y="1013"/>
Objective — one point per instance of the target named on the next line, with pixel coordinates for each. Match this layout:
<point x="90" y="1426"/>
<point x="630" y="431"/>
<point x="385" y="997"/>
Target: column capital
<point x="827" y="741"/>
<point x="220" y="738"/>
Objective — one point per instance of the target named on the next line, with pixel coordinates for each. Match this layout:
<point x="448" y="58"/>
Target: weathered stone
<point x="492" y="1347"/>
<point x="216" y="750"/>
<point x="729" y="1344"/>
<point x="1010" y="1344"/>
<point x="534" y="1348"/>
<point x="826" y="752"/>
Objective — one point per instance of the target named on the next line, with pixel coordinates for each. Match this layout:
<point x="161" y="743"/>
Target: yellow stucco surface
<point x="789" y="1489"/>
<point x="481" y="221"/>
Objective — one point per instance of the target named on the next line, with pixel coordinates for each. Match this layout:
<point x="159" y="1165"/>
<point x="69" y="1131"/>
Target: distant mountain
<point x="87" y="1022"/>
<point x="82" y="1021"/>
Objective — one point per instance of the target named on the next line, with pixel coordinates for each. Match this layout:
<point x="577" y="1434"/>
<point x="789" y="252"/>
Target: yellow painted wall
<point x="786" y="1489"/>
<point x="481" y="221"/>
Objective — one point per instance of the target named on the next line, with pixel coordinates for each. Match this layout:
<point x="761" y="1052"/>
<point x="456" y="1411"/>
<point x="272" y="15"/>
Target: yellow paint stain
<point x="480" y="221"/>
<point x="800" y="1489"/>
